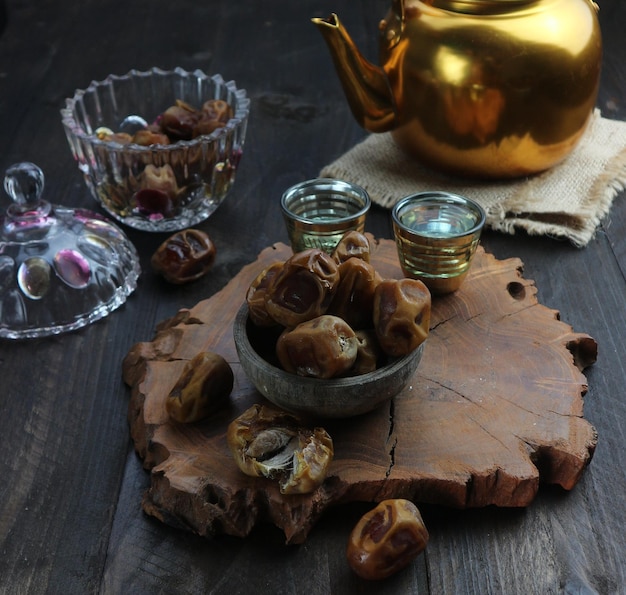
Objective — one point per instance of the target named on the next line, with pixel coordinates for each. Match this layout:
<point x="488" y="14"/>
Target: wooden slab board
<point x="495" y="408"/>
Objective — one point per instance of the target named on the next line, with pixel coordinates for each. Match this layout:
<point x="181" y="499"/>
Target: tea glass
<point x="320" y="211"/>
<point x="436" y="234"/>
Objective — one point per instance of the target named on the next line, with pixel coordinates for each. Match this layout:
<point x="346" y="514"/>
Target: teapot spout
<point x="365" y="85"/>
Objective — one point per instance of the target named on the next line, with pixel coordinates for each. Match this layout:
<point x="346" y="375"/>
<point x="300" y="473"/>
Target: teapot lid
<point x="60" y="268"/>
<point x="481" y="7"/>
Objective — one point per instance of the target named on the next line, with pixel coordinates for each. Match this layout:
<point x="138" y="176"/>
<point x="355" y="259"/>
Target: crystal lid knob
<point x="24" y="183"/>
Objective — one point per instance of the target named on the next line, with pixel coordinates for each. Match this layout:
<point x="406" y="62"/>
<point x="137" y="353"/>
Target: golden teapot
<point x="485" y="88"/>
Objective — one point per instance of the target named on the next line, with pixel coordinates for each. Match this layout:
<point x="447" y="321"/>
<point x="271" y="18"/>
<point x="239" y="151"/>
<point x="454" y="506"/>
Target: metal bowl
<point x="334" y="398"/>
<point x="160" y="187"/>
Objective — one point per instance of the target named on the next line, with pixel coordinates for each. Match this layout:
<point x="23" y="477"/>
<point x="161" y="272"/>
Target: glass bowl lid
<point x="60" y="268"/>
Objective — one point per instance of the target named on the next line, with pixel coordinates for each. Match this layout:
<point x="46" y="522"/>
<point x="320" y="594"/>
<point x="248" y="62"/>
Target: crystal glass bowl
<point x="156" y="187"/>
<point x="314" y="397"/>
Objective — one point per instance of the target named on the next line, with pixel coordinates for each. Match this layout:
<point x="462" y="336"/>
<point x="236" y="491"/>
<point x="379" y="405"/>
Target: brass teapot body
<point x="482" y="88"/>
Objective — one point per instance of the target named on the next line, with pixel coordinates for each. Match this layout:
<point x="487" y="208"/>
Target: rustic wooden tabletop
<point x="71" y="484"/>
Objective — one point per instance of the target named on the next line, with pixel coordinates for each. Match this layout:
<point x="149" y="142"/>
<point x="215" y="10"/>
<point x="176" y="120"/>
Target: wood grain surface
<point x="494" y="408"/>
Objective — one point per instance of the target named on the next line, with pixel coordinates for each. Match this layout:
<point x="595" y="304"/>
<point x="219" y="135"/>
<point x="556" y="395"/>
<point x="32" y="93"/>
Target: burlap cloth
<point x="568" y="201"/>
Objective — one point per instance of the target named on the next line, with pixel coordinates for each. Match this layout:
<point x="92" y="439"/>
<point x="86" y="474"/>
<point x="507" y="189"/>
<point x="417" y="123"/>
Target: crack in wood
<point x="485" y="429"/>
<point x="392" y="450"/>
<point x="442" y="322"/>
<point x="392" y="458"/>
<point x="518" y="311"/>
<point x="452" y="390"/>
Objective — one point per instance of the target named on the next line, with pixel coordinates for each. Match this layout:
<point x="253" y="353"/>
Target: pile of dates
<point x="180" y="121"/>
<point x="336" y="315"/>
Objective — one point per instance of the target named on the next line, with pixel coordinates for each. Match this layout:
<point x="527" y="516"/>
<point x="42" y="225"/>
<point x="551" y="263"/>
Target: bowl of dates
<point x="158" y="149"/>
<point x="326" y="335"/>
<point x="338" y="397"/>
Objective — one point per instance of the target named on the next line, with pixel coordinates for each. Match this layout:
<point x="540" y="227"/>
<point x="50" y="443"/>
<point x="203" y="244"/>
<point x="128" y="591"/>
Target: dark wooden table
<point x="70" y="482"/>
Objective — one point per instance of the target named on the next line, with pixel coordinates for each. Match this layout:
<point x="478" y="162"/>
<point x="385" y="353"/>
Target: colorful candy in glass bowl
<point x="158" y="149"/>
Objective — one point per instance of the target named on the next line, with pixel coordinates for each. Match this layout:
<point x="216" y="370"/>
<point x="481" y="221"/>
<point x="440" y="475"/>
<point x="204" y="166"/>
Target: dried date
<point x="354" y="297"/>
<point x="185" y="256"/>
<point x="368" y="353"/>
<point x="324" y="347"/>
<point x="386" y="539"/>
<point x="303" y="288"/>
<point x="179" y="121"/>
<point x="353" y="244"/>
<point x="401" y="315"/>
<point x="255" y="296"/>
<point x="268" y="442"/>
<point x="215" y="114"/>
<point x="147" y="137"/>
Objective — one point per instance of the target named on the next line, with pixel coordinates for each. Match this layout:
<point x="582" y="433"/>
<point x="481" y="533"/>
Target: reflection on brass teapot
<point x="486" y="88"/>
